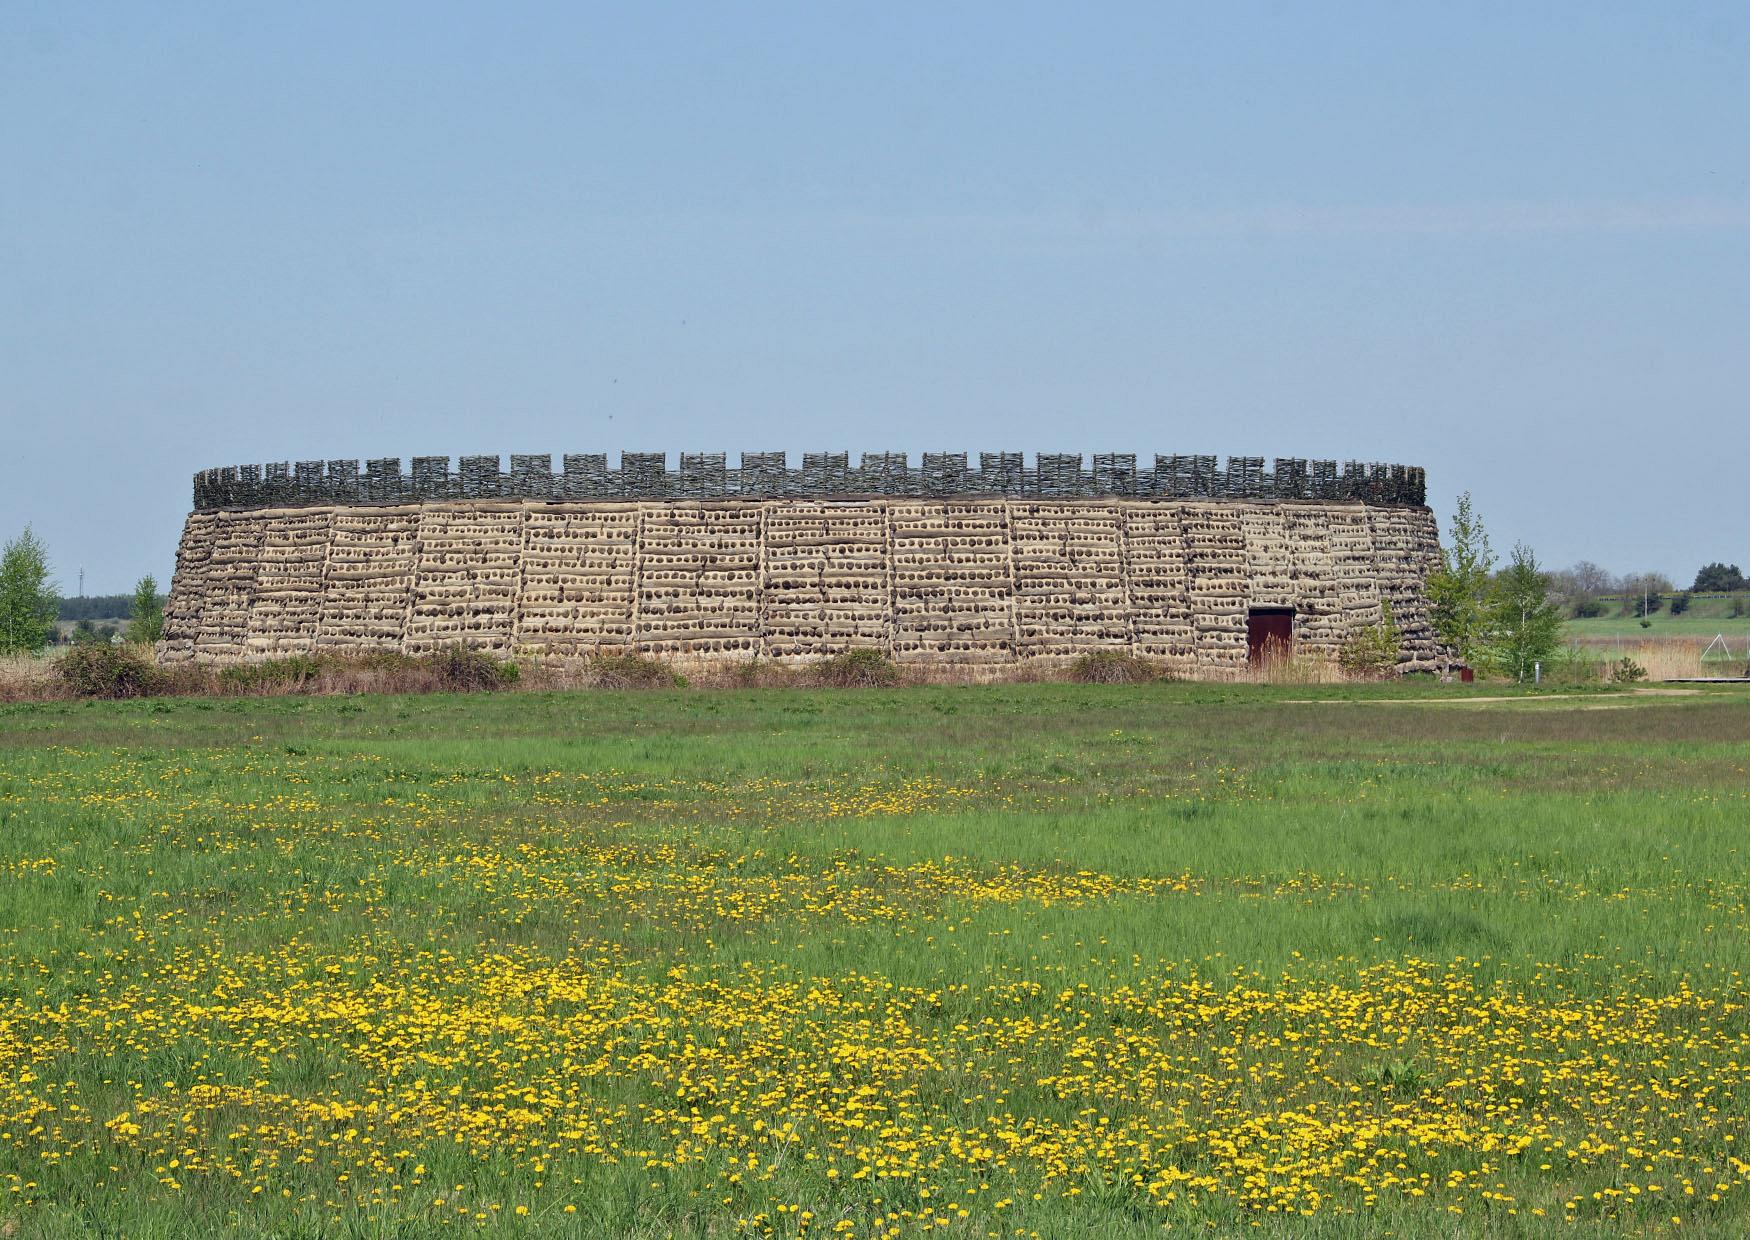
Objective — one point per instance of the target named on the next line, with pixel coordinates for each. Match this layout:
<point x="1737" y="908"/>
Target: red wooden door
<point x="1269" y="633"/>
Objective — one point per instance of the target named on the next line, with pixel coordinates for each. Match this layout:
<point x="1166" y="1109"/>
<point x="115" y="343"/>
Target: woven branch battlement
<point x="767" y="475"/>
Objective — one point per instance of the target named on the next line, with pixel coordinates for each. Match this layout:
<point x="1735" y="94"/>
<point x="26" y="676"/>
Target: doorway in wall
<point x="1269" y="634"/>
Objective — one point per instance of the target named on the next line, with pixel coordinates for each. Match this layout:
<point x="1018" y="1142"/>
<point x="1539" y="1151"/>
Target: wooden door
<point x="1269" y="634"/>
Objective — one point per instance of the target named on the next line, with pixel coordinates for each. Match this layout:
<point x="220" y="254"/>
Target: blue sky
<point x="1510" y="243"/>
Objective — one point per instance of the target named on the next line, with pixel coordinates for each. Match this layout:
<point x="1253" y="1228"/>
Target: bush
<point x="1680" y="603"/>
<point x="863" y="667"/>
<point x="632" y="671"/>
<point x="464" y="670"/>
<point x="1373" y="653"/>
<point x="758" y="673"/>
<point x="102" y="671"/>
<point x="1573" y="665"/>
<point x="1113" y="667"/>
<point x="288" y="675"/>
<point x="1625" y="671"/>
<point x="85" y="633"/>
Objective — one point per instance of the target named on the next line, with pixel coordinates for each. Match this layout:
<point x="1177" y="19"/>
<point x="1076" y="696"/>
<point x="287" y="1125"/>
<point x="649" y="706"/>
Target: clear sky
<point x="1510" y="243"/>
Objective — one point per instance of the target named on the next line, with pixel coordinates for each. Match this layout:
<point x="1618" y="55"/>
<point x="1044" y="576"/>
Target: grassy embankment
<point x="1706" y="616"/>
<point x="999" y="960"/>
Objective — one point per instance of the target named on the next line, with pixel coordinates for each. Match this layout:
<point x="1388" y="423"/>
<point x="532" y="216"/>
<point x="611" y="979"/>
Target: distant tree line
<point x="1586" y="590"/>
<point x="97" y="607"/>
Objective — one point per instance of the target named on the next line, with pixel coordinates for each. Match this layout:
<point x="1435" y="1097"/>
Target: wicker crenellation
<point x="768" y="475"/>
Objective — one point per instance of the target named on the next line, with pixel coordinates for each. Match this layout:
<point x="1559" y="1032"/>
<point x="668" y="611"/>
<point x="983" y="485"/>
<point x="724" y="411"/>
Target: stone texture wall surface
<point x="975" y="582"/>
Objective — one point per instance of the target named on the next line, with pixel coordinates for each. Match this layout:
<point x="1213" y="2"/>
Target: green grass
<point x="1118" y="958"/>
<point x="1707" y="615"/>
<point x="1662" y="626"/>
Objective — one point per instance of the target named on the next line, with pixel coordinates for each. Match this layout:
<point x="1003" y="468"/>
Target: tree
<point x="1717" y="578"/>
<point x="1458" y="591"/>
<point x="1579" y="588"/>
<point x="1680" y="602"/>
<point x="147" y="612"/>
<point x="1591" y="579"/>
<point x="1643" y="593"/>
<point x="27" y="596"/>
<point x="1373" y="653"/>
<point x="1526" y="626"/>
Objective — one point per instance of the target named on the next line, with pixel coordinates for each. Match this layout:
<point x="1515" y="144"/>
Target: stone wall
<point x="982" y="581"/>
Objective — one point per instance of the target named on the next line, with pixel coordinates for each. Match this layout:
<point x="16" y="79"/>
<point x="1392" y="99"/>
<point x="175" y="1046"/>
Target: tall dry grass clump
<point x="1277" y="668"/>
<point x="628" y="671"/>
<point x="455" y="669"/>
<point x="1114" y="667"/>
<point x="27" y="677"/>
<point x="861" y="668"/>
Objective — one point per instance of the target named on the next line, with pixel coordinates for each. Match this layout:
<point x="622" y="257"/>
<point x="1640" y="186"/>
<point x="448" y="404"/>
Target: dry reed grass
<point x="26" y="677"/>
<point x="1666" y="658"/>
<point x="1294" y="669"/>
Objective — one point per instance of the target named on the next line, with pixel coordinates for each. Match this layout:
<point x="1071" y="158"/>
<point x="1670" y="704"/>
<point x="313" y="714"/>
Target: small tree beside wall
<point x="1373" y="653"/>
<point x="1526" y="624"/>
<point x="1458" y="591"/>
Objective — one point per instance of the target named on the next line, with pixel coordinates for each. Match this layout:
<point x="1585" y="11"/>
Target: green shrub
<point x="287" y="675"/>
<point x="862" y="667"/>
<point x="1625" y="671"/>
<point x="1574" y="665"/>
<point x="382" y="661"/>
<point x="1373" y="653"/>
<point x="1113" y="667"/>
<point x="97" y="670"/>
<point x="758" y="673"/>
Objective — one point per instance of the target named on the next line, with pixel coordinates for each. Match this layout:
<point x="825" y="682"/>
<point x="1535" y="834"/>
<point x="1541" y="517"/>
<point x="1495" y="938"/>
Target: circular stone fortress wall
<point x="1192" y="563"/>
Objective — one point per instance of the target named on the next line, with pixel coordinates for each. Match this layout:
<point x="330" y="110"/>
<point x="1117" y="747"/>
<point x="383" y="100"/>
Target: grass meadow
<point x="1708" y="616"/>
<point x="1024" y="960"/>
